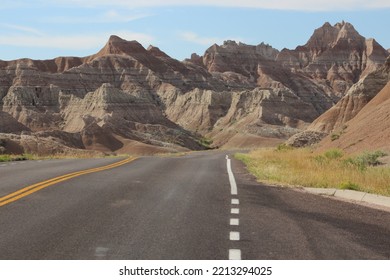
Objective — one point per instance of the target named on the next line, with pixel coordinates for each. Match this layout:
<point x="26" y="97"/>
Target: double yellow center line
<point x="39" y="186"/>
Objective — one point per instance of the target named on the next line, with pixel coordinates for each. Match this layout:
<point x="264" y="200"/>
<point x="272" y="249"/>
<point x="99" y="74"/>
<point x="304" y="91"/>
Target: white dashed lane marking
<point x="232" y="180"/>
<point x="234" y="222"/>
<point x="234" y="236"/>
<point x="234" y="254"/>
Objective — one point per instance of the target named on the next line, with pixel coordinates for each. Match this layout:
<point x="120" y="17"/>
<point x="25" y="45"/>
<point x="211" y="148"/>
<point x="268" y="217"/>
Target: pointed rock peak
<point x="328" y="35"/>
<point x="323" y="37"/>
<point x="346" y="26"/>
<point x="230" y="43"/>
<point x="347" y="31"/>
<point x="114" y="38"/>
<point x="340" y="25"/>
<point x="155" y="51"/>
<point x="119" y="46"/>
<point x="327" y="24"/>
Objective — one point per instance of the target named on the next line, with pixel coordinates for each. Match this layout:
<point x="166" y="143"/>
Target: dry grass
<point x="332" y="169"/>
<point x="5" y="158"/>
<point x="69" y="155"/>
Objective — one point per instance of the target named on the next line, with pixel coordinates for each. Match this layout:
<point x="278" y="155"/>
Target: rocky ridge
<point x="368" y="130"/>
<point x="336" y="57"/>
<point x="127" y="98"/>
<point x="353" y="102"/>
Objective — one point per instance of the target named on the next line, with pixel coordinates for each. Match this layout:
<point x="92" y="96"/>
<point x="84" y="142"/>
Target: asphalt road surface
<point x="177" y="208"/>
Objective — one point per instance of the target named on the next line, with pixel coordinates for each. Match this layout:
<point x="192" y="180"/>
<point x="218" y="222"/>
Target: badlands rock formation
<point x="335" y="119"/>
<point x="369" y="130"/>
<point x="130" y="99"/>
<point x="336" y="57"/>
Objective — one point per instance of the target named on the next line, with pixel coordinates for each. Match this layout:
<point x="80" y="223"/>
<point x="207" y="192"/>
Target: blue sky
<point x="43" y="29"/>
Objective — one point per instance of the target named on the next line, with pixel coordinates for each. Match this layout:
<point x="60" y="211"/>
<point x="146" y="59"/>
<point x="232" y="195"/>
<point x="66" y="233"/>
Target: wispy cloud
<point x="303" y="5"/>
<point x="110" y="16"/>
<point x="204" y="41"/>
<point x="24" y="29"/>
<point x="70" y="42"/>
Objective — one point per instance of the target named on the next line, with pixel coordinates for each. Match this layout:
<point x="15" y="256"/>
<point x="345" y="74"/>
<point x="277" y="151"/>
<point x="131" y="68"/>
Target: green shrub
<point x="5" y="158"/>
<point x="349" y="186"/>
<point x="372" y="158"/>
<point x="284" y="147"/>
<point x="334" y="154"/>
<point x="366" y="159"/>
<point x="205" y="142"/>
<point x="334" y="136"/>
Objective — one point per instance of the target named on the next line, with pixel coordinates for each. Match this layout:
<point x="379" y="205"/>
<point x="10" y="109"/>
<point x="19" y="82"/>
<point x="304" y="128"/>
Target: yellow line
<point x="39" y="186"/>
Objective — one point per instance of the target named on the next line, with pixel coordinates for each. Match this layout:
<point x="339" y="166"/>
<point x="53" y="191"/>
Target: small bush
<point x="5" y="158"/>
<point x="349" y="186"/>
<point x="205" y="142"/>
<point x="334" y="136"/>
<point x="366" y="159"/>
<point x="372" y="158"/>
<point x="284" y="147"/>
<point x="334" y="154"/>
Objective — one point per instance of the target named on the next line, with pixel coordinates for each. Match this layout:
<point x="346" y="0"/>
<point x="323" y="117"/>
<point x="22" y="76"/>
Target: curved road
<point x="177" y="208"/>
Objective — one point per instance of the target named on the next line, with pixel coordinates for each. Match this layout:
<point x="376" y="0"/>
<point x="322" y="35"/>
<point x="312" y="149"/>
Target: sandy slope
<point x="369" y="130"/>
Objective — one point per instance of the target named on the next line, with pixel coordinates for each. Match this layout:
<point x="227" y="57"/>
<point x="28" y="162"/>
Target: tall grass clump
<point x="331" y="169"/>
<point x="5" y="158"/>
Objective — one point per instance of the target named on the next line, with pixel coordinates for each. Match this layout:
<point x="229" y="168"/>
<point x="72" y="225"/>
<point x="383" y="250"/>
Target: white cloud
<point x="304" y="5"/>
<point x="25" y="29"/>
<point x="69" y="42"/>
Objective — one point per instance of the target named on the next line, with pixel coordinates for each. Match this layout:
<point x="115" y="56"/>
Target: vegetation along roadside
<point x="331" y="169"/>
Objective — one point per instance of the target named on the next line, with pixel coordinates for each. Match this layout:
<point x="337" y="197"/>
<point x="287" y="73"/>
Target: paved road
<point x="178" y="208"/>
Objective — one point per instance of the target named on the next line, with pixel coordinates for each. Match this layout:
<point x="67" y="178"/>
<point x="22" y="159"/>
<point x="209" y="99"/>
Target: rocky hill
<point x="357" y="97"/>
<point x="369" y="130"/>
<point x="130" y="99"/>
<point x="369" y="127"/>
<point x="336" y="57"/>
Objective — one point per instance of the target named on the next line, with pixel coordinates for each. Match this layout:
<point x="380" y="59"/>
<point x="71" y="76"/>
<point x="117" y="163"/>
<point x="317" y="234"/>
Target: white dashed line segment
<point x="234" y="254"/>
<point x="234" y="236"/>
<point x="235" y="201"/>
<point x="234" y="222"/>
<point x="232" y="180"/>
